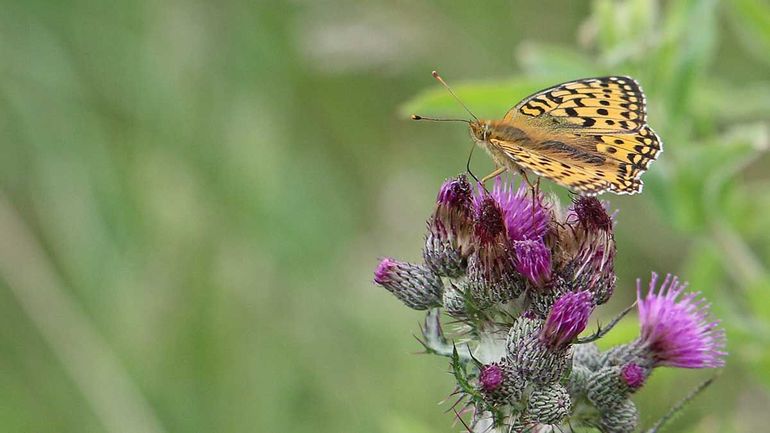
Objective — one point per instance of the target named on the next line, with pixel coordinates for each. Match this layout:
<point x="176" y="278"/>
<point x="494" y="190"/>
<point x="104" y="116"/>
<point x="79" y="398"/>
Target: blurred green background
<point x="193" y="196"/>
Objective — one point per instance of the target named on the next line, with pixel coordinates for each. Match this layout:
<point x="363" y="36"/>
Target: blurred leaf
<point x="729" y="155"/>
<point x="707" y="172"/>
<point x="703" y="267"/>
<point x="623" y="30"/>
<point x="722" y="102"/>
<point x="550" y="60"/>
<point x="751" y="20"/>
<point x="689" y="34"/>
<point x="758" y="300"/>
<point x="487" y="99"/>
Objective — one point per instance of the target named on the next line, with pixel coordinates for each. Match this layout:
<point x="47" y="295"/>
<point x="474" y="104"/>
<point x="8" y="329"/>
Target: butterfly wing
<point x="576" y="171"/>
<point x="589" y="135"/>
<point x="598" y="105"/>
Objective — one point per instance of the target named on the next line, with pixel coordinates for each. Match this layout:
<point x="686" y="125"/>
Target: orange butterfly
<point x="589" y="135"/>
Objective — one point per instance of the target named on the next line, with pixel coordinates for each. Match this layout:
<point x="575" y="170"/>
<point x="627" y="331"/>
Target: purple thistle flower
<point x="491" y="272"/>
<point x="448" y="242"/>
<point x="455" y="193"/>
<point x="591" y="213"/>
<point x="583" y="249"/>
<point x="499" y="384"/>
<point x="491" y="377"/>
<point x="524" y="217"/>
<point x="567" y="319"/>
<point x="675" y="330"/>
<point x="633" y="375"/>
<point x="532" y="259"/>
<point x="415" y="285"/>
<point x="594" y="266"/>
<point x="488" y="218"/>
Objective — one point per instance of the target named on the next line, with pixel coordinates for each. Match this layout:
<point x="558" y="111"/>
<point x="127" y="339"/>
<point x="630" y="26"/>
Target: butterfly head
<point x="480" y="130"/>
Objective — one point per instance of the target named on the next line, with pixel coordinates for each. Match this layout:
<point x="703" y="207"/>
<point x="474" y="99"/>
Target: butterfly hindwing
<point x="638" y="149"/>
<point x="573" y="174"/>
<point x="598" y="105"/>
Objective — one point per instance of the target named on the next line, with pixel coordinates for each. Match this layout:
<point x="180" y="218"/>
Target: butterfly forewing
<point x="589" y="135"/>
<point x="605" y="104"/>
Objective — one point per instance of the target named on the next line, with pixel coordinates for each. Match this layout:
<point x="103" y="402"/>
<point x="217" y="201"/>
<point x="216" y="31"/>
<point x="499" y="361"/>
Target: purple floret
<point x="491" y="377"/>
<point x="567" y="319"/>
<point x="455" y="192"/>
<point x="633" y="375"/>
<point x="676" y="330"/>
<point x="525" y="217"/>
<point x="533" y="260"/>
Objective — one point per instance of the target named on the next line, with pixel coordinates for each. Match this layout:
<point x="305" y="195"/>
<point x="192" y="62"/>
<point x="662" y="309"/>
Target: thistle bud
<point x="532" y="259"/>
<point x="454" y="300"/>
<point x="499" y="384"/>
<point x="491" y="273"/>
<point x="578" y="379"/>
<point x="548" y="404"/>
<point x="633" y="376"/>
<point x="622" y="418"/>
<point x="585" y="256"/>
<point x="533" y="360"/>
<point x="415" y="285"/>
<point x="448" y="242"/>
<point x="591" y="214"/>
<point x="490" y="377"/>
<point x="567" y="319"/>
<point x="586" y="355"/>
<point x="596" y="271"/>
<point x="604" y="388"/>
<point x="609" y="386"/>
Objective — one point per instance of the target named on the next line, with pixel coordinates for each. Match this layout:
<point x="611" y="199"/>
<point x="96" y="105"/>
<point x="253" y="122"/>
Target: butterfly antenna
<point x="443" y="83"/>
<point x="435" y="119"/>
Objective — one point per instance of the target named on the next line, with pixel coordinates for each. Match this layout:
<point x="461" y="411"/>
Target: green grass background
<point x="193" y="196"/>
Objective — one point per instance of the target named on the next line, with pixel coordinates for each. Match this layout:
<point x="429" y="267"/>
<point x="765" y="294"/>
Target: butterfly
<point x="588" y="135"/>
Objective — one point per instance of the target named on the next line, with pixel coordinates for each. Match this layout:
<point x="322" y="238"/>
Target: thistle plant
<point x="517" y="278"/>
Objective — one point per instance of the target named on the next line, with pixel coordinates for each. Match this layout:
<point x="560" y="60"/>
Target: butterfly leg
<point x="497" y="172"/>
<point x="534" y="188"/>
<point x="526" y="179"/>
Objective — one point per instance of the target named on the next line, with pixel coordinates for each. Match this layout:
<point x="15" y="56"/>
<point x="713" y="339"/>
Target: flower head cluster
<point x="522" y="279"/>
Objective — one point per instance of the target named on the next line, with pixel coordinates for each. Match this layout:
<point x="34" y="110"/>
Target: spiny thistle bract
<point x="519" y="279"/>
